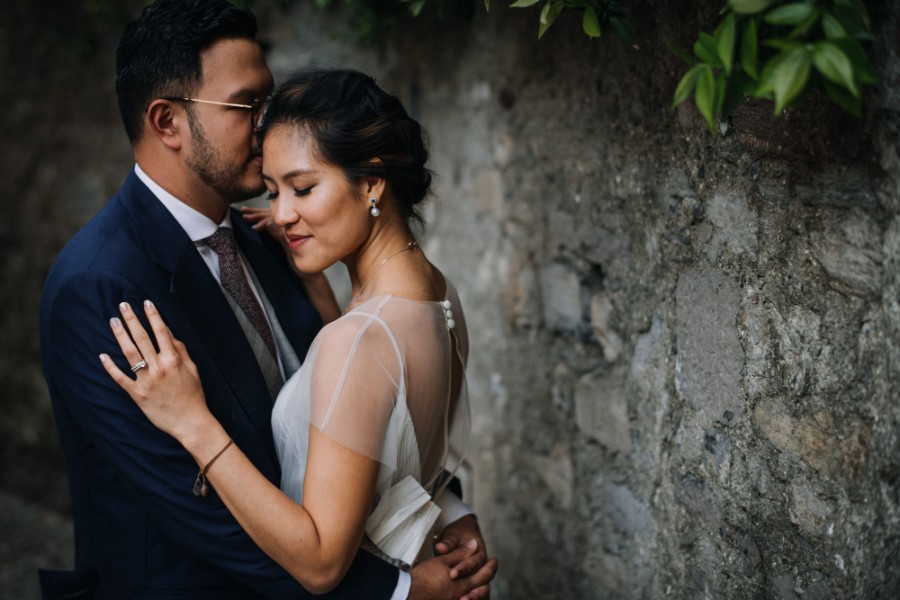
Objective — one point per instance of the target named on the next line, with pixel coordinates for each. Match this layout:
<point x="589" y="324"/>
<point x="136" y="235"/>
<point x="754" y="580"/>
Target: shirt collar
<point x="197" y="225"/>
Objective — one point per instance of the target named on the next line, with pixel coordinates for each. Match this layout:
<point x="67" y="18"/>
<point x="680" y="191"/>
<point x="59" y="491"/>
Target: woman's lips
<point x="295" y="241"/>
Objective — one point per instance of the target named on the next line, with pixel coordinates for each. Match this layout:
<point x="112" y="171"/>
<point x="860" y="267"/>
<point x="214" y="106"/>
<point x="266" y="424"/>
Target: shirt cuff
<point x="452" y="509"/>
<point x="401" y="592"/>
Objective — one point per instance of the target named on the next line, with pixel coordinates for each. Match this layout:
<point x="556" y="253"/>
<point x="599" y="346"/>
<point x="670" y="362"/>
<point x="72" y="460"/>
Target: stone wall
<point x="685" y="350"/>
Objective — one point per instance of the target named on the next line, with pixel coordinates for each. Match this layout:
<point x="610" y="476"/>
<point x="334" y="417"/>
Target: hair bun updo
<point x="353" y="121"/>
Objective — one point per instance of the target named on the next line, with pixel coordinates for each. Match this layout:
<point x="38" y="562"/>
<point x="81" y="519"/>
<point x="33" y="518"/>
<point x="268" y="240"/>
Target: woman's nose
<point x="282" y="213"/>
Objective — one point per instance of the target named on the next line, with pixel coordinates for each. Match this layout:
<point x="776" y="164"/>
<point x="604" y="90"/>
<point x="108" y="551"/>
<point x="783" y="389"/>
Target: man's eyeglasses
<point x="257" y="108"/>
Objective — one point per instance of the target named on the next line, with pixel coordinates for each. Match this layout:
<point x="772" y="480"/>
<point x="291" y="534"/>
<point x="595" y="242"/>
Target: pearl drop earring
<point x="374" y="211"/>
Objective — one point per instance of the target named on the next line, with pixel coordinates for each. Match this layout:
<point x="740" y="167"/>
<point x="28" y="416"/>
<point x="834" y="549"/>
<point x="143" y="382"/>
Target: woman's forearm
<point x="283" y="529"/>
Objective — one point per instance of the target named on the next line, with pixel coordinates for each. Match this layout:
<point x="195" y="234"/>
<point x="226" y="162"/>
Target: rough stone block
<point x="629" y="515"/>
<point x="556" y="471"/>
<point x="815" y="439"/>
<point x="807" y="512"/>
<point x="737" y="226"/>
<point x="850" y="268"/>
<point x="610" y="341"/>
<point x="601" y="410"/>
<point x="561" y="295"/>
<point x="710" y="357"/>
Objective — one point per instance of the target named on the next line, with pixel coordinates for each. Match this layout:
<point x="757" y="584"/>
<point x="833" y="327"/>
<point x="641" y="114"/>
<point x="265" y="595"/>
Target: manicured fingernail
<point x="471" y="544"/>
<point x="148" y="304"/>
<point x="103" y="358"/>
<point x="124" y="307"/>
<point x="115" y="322"/>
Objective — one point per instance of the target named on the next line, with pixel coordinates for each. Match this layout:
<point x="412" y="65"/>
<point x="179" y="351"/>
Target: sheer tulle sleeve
<point x="357" y="376"/>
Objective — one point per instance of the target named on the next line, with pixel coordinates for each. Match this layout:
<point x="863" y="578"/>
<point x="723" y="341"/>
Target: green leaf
<point x="844" y="99"/>
<point x="832" y="27"/>
<point x="523" y="3"/>
<point x="720" y="92"/>
<point x="853" y="20"/>
<point x="590" y="23"/>
<point x="707" y="50"/>
<point x="749" y="7"/>
<point x="705" y="97"/>
<point x="416" y="7"/>
<point x="680" y="54"/>
<point x="549" y="14"/>
<point x="791" y="77"/>
<point x="725" y="41"/>
<point x="861" y="66"/>
<point x="790" y="14"/>
<point x="622" y="29"/>
<point x="749" y="50"/>
<point x="779" y="44"/>
<point x="687" y="85"/>
<point x="831" y="62"/>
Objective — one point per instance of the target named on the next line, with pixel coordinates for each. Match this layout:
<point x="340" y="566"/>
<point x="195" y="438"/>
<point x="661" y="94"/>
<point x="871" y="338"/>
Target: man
<point x="190" y="79"/>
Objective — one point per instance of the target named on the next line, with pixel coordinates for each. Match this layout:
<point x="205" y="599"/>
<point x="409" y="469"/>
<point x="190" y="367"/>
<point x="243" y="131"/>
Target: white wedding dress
<point x="386" y="380"/>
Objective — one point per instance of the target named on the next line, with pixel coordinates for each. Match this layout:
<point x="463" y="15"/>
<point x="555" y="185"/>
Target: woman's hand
<point x="261" y="219"/>
<point x="168" y="388"/>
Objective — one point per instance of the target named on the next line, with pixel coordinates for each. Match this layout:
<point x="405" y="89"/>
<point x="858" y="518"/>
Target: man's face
<point x="224" y="152"/>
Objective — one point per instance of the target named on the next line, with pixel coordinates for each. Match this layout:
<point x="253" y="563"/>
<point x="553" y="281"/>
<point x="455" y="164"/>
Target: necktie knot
<point x="222" y="242"/>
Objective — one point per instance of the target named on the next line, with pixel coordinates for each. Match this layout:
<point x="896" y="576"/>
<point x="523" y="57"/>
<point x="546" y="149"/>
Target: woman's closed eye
<point x="303" y="191"/>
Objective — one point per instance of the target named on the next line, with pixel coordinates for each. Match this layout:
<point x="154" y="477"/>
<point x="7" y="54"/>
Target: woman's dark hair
<point x="159" y="53"/>
<point x="353" y="121"/>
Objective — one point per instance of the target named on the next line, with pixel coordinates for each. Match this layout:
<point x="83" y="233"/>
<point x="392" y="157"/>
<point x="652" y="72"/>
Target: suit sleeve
<point x="157" y="472"/>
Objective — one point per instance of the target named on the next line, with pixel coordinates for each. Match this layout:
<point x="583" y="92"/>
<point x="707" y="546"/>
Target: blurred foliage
<point x="780" y="51"/>
<point x="597" y="15"/>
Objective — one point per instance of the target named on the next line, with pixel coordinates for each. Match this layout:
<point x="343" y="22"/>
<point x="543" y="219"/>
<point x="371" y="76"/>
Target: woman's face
<point x="324" y="217"/>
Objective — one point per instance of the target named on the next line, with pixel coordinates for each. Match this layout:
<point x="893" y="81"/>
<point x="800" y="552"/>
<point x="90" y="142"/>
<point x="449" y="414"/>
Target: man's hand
<point x="431" y="578"/>
<point x="457" y="534"/>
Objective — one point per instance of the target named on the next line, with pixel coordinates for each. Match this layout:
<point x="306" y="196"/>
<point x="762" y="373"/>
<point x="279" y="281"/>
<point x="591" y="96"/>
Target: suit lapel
<point x="205" y="309"/>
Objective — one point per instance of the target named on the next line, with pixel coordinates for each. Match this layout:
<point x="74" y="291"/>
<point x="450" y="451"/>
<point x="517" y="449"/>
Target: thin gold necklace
<point x="356" y="296"/>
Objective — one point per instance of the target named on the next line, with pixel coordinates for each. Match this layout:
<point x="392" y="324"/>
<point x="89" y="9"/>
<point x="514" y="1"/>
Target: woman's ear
<point x="165" y="121"/>
<point x="374" y="187"/>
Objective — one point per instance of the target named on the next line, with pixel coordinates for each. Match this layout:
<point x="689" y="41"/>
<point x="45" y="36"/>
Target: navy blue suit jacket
<point x="139" y="530"/>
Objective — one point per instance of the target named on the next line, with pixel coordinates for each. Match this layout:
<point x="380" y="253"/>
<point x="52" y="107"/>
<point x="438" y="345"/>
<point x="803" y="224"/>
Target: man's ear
<point x="165" y="121"/>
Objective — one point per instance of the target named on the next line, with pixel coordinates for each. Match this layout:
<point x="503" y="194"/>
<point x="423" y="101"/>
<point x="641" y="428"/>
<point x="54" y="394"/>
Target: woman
<point x="379" y="405"/>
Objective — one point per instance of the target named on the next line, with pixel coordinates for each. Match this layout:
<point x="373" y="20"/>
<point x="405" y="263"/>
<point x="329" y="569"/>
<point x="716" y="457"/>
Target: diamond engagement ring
<point x="138" y="366"/>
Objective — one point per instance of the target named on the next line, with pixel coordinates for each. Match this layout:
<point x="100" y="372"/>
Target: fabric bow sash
<point x="402" y="520"/>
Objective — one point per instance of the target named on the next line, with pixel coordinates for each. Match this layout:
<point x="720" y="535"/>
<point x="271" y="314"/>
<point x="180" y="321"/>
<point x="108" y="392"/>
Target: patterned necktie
<point x="231" y="273"/>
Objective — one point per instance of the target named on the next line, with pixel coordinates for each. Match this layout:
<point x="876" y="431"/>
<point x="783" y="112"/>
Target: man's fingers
<point x="458" y="555"/>
<point x="447" y="543"/>
<point x="468" y="566"/>
<point x="480" y="593"/>
<point x="485" y="574"/>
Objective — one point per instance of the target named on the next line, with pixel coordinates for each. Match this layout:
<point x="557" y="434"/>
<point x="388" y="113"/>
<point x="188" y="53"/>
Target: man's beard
<point x="226" y="180"/>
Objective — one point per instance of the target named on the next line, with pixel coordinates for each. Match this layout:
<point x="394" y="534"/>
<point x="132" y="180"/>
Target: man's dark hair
<point x="159" y="53"/>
